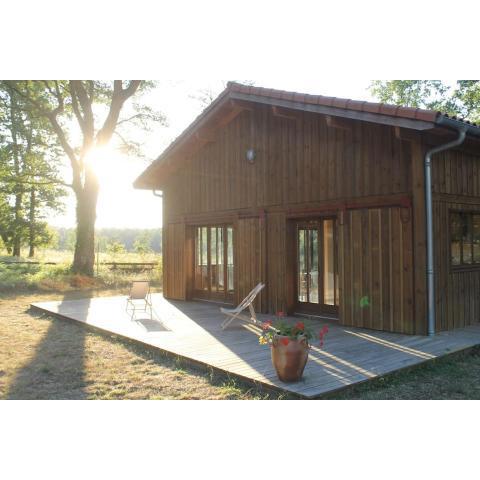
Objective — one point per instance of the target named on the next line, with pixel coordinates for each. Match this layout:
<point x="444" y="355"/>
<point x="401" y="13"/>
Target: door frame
<point x="209" y="295"/>
<point x="313" y="309"/>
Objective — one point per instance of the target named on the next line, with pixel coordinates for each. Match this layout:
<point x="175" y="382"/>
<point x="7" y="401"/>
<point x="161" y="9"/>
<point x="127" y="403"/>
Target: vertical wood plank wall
<point x="302" y="162"/>
<point x="299" y="161"/>
<point x="249" y="259"/>
<point x="456" y="186"/>
<point x="174" y="265"/>
<point x="277" y="273"/>
<point x="376" y="269"/>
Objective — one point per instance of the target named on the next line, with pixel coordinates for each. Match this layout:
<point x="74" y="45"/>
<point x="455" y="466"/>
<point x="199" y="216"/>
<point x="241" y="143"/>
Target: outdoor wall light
<point x="251" y="154"/>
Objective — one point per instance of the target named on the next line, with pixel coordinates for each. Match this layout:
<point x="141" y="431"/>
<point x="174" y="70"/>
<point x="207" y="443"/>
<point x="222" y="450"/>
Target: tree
<point x="29" y="173"/>
<point x="143" y="243"/>
<point x="205" y="96"/>
<point x="64" y="101"/>
<point x="115" y="248"/>
<point x="463" y="99"/>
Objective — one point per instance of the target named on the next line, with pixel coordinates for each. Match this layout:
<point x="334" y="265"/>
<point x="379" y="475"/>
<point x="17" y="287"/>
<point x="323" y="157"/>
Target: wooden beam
<point x="284" y="113"/>
<point x="230" y="116"/>
<point x="419" y="237"/>
<point x="405" y="134"/>
<point x="338" y="122"/>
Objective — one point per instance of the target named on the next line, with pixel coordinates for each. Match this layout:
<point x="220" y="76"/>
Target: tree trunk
<point x="17" y="233"/>
<point x="18" y="190"/>
<point x="31" y="226"/>
<point x="84" y="256"/>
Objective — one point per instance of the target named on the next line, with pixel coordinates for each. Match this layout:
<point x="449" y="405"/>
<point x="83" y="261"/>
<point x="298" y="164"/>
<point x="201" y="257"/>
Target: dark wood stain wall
<point x="376" y="269"/>
<point x="299" y="160"/>
<point x="456" y="186"/>
<point x="305" y="163"/>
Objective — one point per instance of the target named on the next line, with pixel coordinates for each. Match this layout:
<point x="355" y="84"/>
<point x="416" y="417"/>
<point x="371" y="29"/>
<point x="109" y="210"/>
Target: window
<point x="464" y="239"/>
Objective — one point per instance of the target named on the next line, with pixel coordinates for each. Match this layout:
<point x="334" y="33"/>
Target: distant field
<point x="59" y="278"/>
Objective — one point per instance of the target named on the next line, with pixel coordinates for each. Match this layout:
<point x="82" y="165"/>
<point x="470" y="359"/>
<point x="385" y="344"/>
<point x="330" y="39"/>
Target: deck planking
<point x="192" y="330"/>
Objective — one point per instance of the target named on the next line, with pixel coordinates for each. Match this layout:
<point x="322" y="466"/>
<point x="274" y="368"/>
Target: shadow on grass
<point x="57" y="368"/>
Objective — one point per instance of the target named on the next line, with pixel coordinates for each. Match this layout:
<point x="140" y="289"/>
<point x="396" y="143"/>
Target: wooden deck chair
<point x="139" y="298"/>
<point x="236" y="313"/>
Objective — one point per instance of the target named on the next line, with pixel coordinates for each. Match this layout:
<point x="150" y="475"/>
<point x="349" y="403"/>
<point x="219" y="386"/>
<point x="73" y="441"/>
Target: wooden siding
<point x="376" y="269"/>
<point x="299" y="160"/>
<point x="249" y="246"/>
<point x="456" y="172"/>
<point x="306" y="164"/>
<point x="277" y="280"/>
<point x="457" y="291"/>
<point x="175" y="268"/>
<point x="456" y="186"/>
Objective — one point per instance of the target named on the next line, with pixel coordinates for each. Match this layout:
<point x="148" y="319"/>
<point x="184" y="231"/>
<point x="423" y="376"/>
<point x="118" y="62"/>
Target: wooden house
<point x="326" y="201"/>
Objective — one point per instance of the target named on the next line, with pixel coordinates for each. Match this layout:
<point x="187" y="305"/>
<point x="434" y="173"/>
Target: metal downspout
<point x="429" y="214"/>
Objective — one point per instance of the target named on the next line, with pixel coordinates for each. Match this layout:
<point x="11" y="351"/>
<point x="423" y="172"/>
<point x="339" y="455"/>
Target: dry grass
<point x="59" y="278"/>
<point x="46" y="358"/>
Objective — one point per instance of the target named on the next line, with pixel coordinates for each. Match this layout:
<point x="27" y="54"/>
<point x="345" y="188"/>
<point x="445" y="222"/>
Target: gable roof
<point x="394" y="115"/>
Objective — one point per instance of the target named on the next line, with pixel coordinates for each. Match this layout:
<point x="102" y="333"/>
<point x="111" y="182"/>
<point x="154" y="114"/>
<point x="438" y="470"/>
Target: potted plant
<point x="289" y="345"/>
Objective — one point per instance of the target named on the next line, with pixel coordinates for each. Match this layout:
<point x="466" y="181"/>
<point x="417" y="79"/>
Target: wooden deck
<point x="192" y="330"/>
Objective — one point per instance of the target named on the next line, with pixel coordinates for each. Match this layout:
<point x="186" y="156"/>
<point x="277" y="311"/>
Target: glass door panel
<point x="313" y="286"/>
<point x="317" y="272"/>
<point x="213" y="260"/>
<point x="230" y="260"/>
<point x="220" y="260"/>
<point x="302" y="266"/>
<point x="212" y="274"/>
<point x="328" y="263"/>
<point x="201" y="259"/>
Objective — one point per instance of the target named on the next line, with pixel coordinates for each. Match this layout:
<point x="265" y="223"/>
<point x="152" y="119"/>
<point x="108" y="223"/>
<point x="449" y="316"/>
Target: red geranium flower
<point x="285" y="341"/>
<point x="300" y="326"/>
<point x="280" y="314"/>
<point x="322" y="334"/>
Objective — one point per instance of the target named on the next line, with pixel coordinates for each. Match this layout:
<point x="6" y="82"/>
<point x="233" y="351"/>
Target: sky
<point x="122" y="206"/>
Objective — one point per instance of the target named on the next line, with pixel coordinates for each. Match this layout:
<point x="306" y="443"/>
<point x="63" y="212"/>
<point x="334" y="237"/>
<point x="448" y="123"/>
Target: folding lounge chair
<point x="236" y="313"/>
<point x="139" y="298"/>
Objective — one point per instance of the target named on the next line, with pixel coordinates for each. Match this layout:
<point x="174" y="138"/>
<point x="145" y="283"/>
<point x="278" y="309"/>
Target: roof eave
<point x="418" y="124"/>
<point x="455" y="124"/>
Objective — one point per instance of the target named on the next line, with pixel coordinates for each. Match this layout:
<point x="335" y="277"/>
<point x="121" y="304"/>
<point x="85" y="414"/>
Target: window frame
<point x="462" y="267"/>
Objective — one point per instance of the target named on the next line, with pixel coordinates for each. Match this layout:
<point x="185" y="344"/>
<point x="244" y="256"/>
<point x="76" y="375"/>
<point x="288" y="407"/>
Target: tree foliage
<point x="30" y="182"/>
<point x="85" y="115"/>
<point x="461" y="99"/>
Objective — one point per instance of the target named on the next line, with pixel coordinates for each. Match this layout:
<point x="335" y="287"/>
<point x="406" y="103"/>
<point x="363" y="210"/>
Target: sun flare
<point x="104" y="161"/>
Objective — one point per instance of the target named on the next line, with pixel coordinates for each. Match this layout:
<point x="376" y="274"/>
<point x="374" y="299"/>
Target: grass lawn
<point x="58" y="278"/>
<point x="46" y="358"/>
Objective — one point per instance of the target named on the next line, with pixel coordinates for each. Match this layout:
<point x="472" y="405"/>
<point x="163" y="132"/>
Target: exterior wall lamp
<point x="251" y="155"/>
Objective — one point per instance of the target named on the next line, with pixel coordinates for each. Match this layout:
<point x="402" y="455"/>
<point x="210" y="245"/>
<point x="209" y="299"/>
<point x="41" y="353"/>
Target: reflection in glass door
<point x="214" y="268"/>
<point x="317" y="272"/>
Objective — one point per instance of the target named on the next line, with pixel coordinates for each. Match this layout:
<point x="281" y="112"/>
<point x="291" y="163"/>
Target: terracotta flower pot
<point x="289" y="357"/>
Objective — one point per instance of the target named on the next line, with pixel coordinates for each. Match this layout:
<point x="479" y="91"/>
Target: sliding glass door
<point x="214" y="266"/>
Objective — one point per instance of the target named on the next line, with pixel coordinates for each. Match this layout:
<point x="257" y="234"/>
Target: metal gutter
<point x="462" y="130"/>
<point x="470" y="128"/>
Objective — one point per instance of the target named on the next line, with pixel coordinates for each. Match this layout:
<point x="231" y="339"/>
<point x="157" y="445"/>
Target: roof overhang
<point x="232" y="101"/>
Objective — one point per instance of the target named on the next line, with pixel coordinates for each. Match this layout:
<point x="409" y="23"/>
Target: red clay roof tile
<point x="348" y="104"/>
